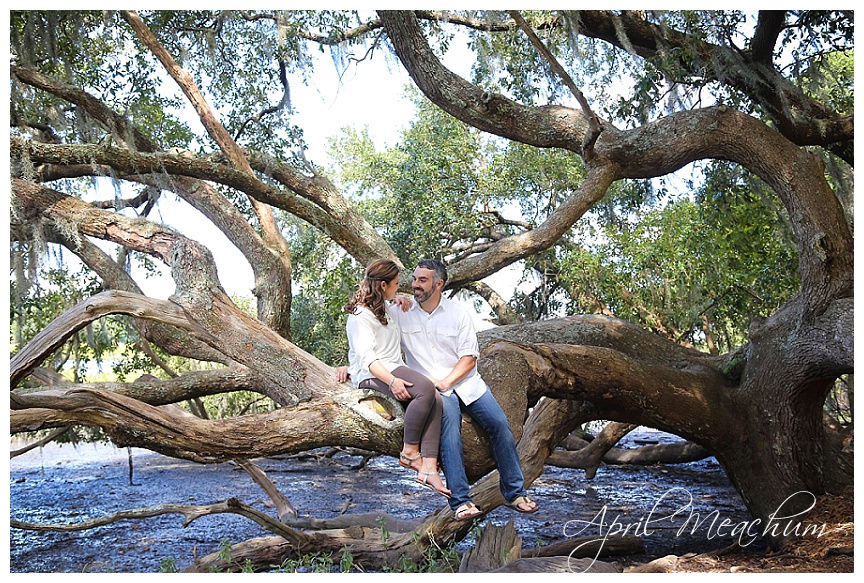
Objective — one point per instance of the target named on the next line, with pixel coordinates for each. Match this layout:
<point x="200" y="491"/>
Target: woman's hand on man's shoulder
<point x="403" y="302"/>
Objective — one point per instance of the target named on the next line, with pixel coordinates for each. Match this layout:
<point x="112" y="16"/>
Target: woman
<point x="375" y="362"/>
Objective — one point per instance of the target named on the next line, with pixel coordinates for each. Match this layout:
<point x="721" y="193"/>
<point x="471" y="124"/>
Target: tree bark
<point x="496" y="546"/>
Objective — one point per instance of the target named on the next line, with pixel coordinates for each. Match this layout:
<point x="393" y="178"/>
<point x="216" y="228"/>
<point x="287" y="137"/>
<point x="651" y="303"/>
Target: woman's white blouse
<point x="368" y="341"/>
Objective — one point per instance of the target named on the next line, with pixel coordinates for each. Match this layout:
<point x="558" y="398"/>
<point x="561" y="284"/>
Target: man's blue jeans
<point x="487" y="413"/>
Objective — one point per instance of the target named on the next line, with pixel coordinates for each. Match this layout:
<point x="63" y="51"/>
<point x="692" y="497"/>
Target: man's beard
<point x="421" y="295"/>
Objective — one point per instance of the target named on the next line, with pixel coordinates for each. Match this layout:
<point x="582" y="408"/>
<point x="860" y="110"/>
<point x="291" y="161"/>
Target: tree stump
<point x="497" y="546"/>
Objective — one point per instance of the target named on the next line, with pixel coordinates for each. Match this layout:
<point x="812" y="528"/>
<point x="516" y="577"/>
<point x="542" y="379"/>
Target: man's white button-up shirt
<point x="434" y="343"/>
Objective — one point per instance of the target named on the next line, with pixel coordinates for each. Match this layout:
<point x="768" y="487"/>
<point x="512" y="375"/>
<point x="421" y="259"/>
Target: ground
<point x="71" y="485"/>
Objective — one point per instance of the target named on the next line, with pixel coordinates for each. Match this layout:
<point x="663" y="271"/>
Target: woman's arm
<point x="396" y="385"/>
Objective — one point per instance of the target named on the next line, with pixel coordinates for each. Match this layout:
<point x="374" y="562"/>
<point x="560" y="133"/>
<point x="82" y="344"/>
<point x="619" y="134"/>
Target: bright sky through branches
<point x="369" y="95"/>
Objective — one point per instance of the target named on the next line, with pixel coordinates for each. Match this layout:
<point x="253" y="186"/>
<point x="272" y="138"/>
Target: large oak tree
<point x="757" y="408"/>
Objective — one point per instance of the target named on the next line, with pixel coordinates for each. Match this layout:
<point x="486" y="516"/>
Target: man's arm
<point x="465" y="365"/>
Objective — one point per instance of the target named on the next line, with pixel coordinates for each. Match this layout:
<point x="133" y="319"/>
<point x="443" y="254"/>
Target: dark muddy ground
<point x="69" y="485"/>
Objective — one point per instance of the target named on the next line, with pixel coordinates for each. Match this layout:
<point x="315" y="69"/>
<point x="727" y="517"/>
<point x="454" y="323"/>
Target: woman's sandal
<point x="464" y="512"/>
<point x="407" y="462"/>
<point x="519" y="502"/>
<point x="426" y="484"/>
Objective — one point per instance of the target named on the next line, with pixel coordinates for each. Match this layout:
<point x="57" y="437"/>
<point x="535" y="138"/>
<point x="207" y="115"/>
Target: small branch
<point x="593" y="122"/>
<point x="286" y="100"/>
<point x="504" y="314"/>
<point x="284" y="508"/>
<point x="148" y="197"/>
<point x="594" y="453"/>
<point x="145" y="347"/>
<point x="230" y="506"/>
<point x="48" y="439"/>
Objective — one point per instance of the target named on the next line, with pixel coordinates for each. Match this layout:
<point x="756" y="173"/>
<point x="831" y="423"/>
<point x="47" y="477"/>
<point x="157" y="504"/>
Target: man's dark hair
<point x="435" y="265"/>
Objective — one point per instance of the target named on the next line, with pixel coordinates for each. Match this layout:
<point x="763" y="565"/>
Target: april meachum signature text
<point x="779" y="523"/>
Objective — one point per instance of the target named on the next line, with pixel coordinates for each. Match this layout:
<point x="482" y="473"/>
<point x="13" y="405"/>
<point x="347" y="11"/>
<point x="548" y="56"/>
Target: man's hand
<point x="465" y="365"/>
<point x="439" y="384"/>
<point x="342" y="374"/>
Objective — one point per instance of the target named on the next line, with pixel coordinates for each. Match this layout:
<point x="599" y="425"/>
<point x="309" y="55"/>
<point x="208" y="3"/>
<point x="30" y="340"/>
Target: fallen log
<point x="557" y="565"/>
<point x="668" y="453"/>
<point x="589" y="547"/>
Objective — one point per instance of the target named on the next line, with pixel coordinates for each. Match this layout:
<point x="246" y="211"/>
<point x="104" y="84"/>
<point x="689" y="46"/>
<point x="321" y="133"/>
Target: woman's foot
<point x="433" y="481"/>
<point x="410" y="460"/>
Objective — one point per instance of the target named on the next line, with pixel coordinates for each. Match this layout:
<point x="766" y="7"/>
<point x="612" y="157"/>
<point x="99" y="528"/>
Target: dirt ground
<point x="71" y="485"/>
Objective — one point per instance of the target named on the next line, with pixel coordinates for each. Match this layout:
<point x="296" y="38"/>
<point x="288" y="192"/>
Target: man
<point x="439" y="340"/>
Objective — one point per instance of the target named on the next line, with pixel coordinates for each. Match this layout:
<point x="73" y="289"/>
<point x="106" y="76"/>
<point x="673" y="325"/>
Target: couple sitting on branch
<point x="439" y="381"/>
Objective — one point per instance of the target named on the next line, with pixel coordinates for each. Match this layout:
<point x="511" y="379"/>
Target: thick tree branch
<point x="271" y="280"/>
<point x="184" y="80"/>
<point x="593" y="453"/>
<point x="171" y="339"/>
<point x="124" y="132"/>
<point x="130" y="422"/>
<point x="595" y="362"/>
<point x="560" y="127"/>
<point x="339" y="221"/>
<point x="625" y="388"/>
<point x="157" y="392"/>
<point x="768" y="28"/>
<point x="515" y="247"/>
<point x="799" y="118"/>
<point x="272" y="235"/>
<point x="50" y="338"/>
<point x="289" y="373"/>
<point x="681" y="452"/>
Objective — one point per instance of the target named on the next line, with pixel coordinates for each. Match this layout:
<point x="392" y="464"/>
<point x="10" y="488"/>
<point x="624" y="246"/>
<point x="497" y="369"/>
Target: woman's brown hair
<point x="370" y="295"/>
